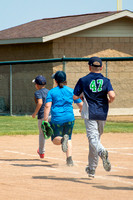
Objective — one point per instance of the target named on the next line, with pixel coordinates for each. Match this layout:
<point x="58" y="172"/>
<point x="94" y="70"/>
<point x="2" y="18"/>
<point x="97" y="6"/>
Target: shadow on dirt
<point x="113" y="188"/>
<point x="120" y="176"/>
<point x="77" y="180"/>
<point x="12" y="160"/>
<point x="44" y="163"/>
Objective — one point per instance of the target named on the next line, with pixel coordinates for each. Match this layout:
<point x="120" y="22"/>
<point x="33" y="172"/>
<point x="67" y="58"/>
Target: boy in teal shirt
<point x="59" y="100"/>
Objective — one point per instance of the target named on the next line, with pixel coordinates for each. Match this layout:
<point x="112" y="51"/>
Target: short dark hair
<point x="95" y="61"/>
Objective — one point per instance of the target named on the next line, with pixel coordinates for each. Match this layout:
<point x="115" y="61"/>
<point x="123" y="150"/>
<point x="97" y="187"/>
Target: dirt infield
<point x="23" y="176"/>
<point x="120" y="118"/>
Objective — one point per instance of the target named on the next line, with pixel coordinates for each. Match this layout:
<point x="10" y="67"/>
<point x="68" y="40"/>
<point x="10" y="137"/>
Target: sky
<point x="17" y="12"/>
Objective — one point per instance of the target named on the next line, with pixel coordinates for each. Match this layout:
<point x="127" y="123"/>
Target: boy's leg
<point x="92" y="157"/>
<point x="62" y="136"/>
<point x="68" y="128"/>
<point x="41" y="138"/>
<point x="57" y="140"/>
<point x="100" y="130"/>
<point x="57" y="133"/>
<point x="102" y="152"/>
<point x="69" y="151"/>
<point x="69" y="160"/>
<point x="94" y="143"/>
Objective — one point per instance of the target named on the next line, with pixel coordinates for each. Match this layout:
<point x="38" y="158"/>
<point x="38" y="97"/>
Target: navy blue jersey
<point x="41" y="94"/>
<point x="95" y="88"/>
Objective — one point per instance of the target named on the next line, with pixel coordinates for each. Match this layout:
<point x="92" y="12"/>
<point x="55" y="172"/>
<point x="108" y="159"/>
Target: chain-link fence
<point x="17" y="89"/>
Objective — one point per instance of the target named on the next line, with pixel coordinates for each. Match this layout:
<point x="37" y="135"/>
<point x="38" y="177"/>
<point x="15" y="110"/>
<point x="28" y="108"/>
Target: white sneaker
<point x="90" y="172"/>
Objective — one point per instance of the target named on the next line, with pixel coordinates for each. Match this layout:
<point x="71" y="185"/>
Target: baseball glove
<point x="47" y="130"/>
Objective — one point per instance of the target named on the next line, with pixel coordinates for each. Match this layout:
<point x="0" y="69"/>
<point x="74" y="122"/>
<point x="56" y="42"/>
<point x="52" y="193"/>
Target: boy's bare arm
<point x="80" y="105"/>
<point x="47" y="110"/>
<point x="111" y="96"/>
<point x="75" y="97"/>
<point x="38" y="106"/>
<point x="35" y="100"/>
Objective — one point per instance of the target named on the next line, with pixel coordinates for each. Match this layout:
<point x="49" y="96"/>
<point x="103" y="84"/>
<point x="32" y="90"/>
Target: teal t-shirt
<point x="62" y="108"/>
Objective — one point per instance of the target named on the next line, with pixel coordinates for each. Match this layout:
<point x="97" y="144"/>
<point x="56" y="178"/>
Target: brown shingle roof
<point x="49" y="26"/>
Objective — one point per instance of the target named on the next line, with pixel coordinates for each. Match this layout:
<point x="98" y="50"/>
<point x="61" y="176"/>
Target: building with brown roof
<point x="106" y="34"/>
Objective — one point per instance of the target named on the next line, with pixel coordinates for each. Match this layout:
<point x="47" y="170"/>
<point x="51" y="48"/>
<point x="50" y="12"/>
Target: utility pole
<point x="119" y="4"/>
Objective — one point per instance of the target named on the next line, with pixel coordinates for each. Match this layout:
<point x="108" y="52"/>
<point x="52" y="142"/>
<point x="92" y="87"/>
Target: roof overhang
<point x="22" y="40"/>
<point x="67" y="32"/>
<point x="88" y="25"/>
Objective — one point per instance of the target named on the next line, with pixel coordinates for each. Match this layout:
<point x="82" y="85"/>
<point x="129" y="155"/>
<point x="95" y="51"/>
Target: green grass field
<point x="26" y="125"/>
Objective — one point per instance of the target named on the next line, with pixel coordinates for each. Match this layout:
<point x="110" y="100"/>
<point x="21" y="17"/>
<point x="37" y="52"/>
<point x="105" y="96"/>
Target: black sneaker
<point x="90" y="172"/>
<point x="64" y="142"/>
<point x="69" y="161"/>
<point x="106" y="163"/>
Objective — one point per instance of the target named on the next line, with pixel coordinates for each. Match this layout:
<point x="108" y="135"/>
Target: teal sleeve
<point x="78" y="101"/>
<point x="49" y="97"/>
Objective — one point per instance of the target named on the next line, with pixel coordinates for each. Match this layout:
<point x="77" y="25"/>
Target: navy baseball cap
<point x="59" y="76"/>
<point x="40" y="80"/>
<point x="95" y="61"/>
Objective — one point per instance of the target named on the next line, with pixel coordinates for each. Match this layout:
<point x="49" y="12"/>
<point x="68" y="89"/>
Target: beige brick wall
<point x="23" y="88"/>
<point x="4" y="87"/>
<point x="25" y="51"/>
<point x="120" y="73"/>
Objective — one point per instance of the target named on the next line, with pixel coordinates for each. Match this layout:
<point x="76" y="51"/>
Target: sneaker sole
<point x="89" y="175"/>
<point x="87" y="170"/>
<point x="106" y="163"/>
<point x="64" y="144"/>
<point x="70" y="165"/>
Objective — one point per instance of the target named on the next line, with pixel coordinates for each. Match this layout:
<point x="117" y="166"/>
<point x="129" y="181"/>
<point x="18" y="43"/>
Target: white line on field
<point x="60" y="170"/>
<point x="122" y="148"/>
<point x="96" y="177"/>
<point x="114" y="179"/>
<point x="127" y="154"/>
<point x="53" y="158"/>
<point x="21" y="153"/>
<point x="73" y="172"/>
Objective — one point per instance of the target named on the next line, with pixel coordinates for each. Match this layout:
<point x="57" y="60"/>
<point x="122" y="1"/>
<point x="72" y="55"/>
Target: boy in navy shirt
<point x="40" y="100"/>
<point x="97" y="93"/>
